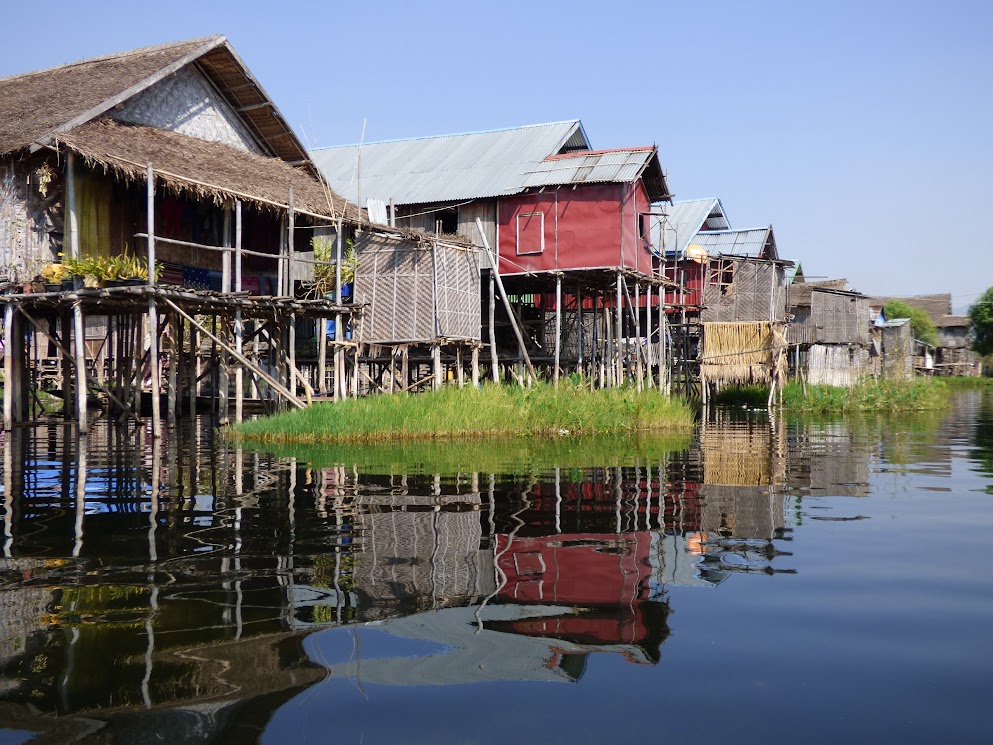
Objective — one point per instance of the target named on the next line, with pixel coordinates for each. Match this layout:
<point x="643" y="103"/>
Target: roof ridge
<point x="119" y="55"/>
<point x="450" y="134"/>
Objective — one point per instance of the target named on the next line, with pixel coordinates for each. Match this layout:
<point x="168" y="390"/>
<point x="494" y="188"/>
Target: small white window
<point x="530" y="233"/>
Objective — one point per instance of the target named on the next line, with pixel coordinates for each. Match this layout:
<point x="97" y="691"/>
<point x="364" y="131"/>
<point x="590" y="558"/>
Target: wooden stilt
<point x="494" y="360"/>
<point x="580" y="341"/>
<point x="475" y="367"/>
<point x="558" y="329"/>
<point x="239" y="326"/>
<point x="79" y="351"/>
<point x="195" y="371"/>
<point x="460" y="370"/>
<point x="355" y="369"/>
<point x="436" y="359"/>
<point x="322" y="356"/>
<point x="618" y="333"/>
<point x="405" y="367"/>
<point x="8" y="367"/>
<point x="638" y="339"/>
<point x="173" y="376"/>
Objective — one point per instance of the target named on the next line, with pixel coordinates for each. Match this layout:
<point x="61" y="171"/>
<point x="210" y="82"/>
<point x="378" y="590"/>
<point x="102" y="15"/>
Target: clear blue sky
<point x="860" y="130"/>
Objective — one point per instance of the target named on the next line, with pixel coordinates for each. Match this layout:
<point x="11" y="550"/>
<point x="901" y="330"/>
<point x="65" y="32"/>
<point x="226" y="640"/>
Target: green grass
<point x="919" y="394"/>
<point x="469" y="413"/>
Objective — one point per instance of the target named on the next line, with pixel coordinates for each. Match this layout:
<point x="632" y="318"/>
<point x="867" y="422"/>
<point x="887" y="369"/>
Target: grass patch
<point x="492" y="410"/>
<point x="919" y="394"/>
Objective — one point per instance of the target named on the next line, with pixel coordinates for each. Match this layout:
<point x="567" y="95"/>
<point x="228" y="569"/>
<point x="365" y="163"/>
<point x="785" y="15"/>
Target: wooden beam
<point x="240" y="357"/>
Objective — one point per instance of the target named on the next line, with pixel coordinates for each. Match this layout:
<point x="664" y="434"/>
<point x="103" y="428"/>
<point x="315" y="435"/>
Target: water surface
<point x="810" y="581"/>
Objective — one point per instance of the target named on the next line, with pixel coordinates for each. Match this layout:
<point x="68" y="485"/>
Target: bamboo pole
<point x="79" y="351"/>
<point x="239" y="326"/>
<point x="153" y="323"/>
<point x="618" y="331"/>
<point x="494" y="360"/>
<point x="238" y="356"/>
<point x="8" y="367"/>
<point x="494" y="260"/>
<point x="173" y="377"/>
<point x="558" y="329"/>
<point x="475" y="367"/>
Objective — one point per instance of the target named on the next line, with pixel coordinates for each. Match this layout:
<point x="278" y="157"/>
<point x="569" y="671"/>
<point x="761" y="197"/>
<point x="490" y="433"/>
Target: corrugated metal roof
<point x="751" y="243"/>
<point x="447" y="168"/>
<point x="683" y="220"/>
<point x="580" y="168"/>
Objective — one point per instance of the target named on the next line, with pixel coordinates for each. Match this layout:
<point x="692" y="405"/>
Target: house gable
<point x="187" y="104"/>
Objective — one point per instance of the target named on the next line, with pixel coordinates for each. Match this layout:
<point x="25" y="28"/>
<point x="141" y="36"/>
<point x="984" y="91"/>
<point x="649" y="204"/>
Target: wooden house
<point x="177" y="155"/>
<point x="569" y="226"/>
<point x="829" y="332"/>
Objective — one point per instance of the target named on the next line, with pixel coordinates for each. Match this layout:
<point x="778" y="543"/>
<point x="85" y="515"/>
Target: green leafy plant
<point x="921" y="324"/>
<point x="981" y="315"/>
<point x="325" y="275"/>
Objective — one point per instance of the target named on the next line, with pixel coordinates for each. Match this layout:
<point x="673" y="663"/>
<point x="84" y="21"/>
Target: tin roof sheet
<point x="755" y="243"/>
<point x="447" y="168"/>
<point x="683" y="220"/>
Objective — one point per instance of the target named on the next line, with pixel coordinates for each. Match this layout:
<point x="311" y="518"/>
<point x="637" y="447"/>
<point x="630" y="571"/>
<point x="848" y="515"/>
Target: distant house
<point x="829" y="332"/>
<point x="951" y="355"/>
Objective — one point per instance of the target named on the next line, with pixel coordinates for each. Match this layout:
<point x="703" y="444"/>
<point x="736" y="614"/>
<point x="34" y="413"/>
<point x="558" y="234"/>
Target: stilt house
<point x="569" y="225"/>
<point x="174" y="154"/>
<point x="829" y="332"/>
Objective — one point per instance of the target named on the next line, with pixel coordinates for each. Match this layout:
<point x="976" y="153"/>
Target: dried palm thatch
<point x="206" y="170"/>
<point x="35" y="104"/>
<point x="742" y="353"/>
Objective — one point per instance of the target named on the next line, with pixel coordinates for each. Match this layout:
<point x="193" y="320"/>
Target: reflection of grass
<point x="471" y="413"/>
<point x="968" y="383"/>
<point x="495" y="455"/>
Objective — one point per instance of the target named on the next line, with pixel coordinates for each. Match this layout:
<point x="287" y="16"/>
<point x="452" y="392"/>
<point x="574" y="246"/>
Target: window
<point x="530" y="232"/>
<point x="447" y="221"/>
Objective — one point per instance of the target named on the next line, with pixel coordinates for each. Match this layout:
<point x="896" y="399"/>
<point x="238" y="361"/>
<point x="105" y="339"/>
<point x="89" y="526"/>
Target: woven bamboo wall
<point x="840" y="319"/>
<point x="836" y="364"/>
<point x="756" y="292"/>
<point x="416" y="291"/>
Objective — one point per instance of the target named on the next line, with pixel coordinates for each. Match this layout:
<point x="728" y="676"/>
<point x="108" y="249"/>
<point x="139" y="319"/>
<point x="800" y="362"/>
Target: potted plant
<point x="53" y="275"/>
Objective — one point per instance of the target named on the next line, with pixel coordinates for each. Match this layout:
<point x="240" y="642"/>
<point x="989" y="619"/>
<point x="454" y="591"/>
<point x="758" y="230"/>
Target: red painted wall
<point x="593" y="225"/>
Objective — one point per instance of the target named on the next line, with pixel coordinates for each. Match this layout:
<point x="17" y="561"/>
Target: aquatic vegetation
<point x="870" y="395"/>
<point x="474" y="413"/>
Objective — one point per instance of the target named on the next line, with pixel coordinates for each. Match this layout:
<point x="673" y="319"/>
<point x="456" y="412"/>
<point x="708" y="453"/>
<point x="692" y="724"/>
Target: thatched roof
<point x="205" y="169"/>
<point x="936" y="306"/>
<point x="952" y="321"/>
<point x="36" y="106"/>
<point x="800" y="292"/>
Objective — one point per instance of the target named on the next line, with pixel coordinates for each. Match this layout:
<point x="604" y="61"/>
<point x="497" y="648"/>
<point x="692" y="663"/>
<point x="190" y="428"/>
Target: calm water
<point x="792" y="582"/>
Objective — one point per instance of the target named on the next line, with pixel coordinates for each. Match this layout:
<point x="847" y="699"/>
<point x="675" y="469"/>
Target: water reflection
<point x="193" y="589"/>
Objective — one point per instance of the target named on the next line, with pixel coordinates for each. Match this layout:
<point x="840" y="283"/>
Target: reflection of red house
<point x="605" y="577"/>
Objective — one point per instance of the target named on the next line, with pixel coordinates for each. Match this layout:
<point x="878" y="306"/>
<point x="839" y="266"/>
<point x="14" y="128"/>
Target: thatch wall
<point x="743" y="290"/>
<point x="417" y="290"/>
<point x="742" y="353"/>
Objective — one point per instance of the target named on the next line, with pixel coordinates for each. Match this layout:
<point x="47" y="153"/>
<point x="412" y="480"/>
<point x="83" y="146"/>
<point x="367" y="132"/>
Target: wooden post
<point x="355" y="369"/>
<point x="460" y="370"/>
<point x="8" y="367"/>
<point x="339" y="329"/>
<point x="195" y="371"/>
<point x="650" y="380"/>
<point x="494" y="260"/>
<point x="322" y="355"/>
<point x="638" y="338"/>
<point x="609" y="349"/>
<point x="79" y="352"/>
<point x="618" y="331"/>
<point x="173" y="372"/>
<point x="579" y="331"/>
<point x="494" y="360"/>
<point x="239" y="326"/>
<point x="73" y="222"/>
<point x="290" y="261"/>
<point x="153" y="322"/>
<point x="558" y="329"/>
<point x="475" y="367"/>
<point x="405" y="366"/>
<point x="436" y="358"/>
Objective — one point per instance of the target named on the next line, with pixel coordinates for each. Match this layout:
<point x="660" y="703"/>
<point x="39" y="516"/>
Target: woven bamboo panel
<point x="755" y="291"/>
<point x="416" y="291"/>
